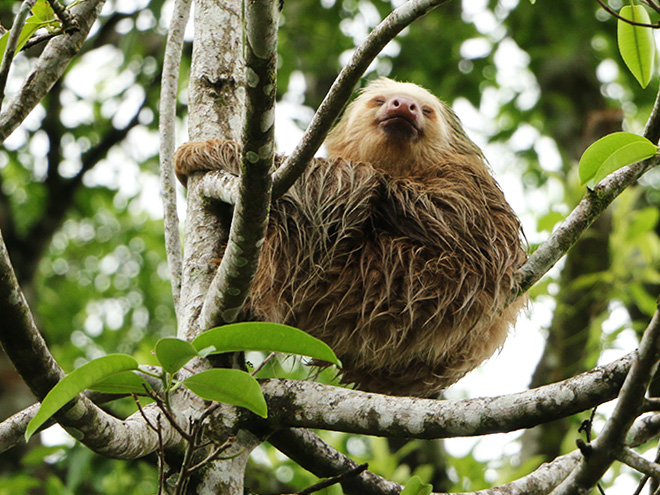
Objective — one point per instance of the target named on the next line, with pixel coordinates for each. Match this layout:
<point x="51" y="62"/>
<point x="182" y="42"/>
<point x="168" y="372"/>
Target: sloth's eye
<point x="379" y="101"/>
<point x="427" y="111"/>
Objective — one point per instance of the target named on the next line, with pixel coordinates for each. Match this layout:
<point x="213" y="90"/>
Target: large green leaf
<point x="636" y="43"/>
<point x="612" y="152"/>
<point x="229" y="386"/>
<point x="262" y="336"/>
<point x="78" y="380"/>
<point x="174" y="353"/>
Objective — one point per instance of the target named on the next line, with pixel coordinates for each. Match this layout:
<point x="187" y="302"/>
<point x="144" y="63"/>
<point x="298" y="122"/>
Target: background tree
<point x="79" y="175"/>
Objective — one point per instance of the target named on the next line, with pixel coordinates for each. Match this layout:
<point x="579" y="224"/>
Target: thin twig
<point x="168" y="415"/>
<point x="587" y="425"/>
<point x="161" y="458"/>
<point x="196" y="430"/>
<point x="160" y="452"/>
<point x="641" y="484"/>
<point x="209" y="458"/>
<point x="142" y="413"/>
<point x="268" y="359"/>
<point x="34" y="41"/>
<point x="182" y="482"/>
<point x="351" y="473"/>
<point x="209" y="410"/>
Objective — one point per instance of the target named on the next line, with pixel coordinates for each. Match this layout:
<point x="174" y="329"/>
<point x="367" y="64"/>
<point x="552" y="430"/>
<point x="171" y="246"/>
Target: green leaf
<point x="229" y="386"/>
<point x="77" y="381"/>
<point x="262" y="336"/>
<point x="612" y="152"/>
<point x="416" y="486"/>
<point x="173" y="353"/>
<point x="125" y="382"/>
<point x="636" y="43"/>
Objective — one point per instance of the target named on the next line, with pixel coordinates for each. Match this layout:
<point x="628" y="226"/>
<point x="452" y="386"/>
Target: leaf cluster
<point x="114" y="373"/>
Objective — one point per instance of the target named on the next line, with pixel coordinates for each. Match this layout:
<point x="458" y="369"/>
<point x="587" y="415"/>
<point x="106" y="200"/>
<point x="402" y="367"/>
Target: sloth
<point x="399" y="250"/>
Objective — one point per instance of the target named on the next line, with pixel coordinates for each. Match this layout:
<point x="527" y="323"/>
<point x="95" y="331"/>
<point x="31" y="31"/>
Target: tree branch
<point x="217" y="90"/>
<point x="637" y="462"/>
<point x="314" y="405"/>
<point x="342" y="88"/>
<point x="308" y="450"/>
<point x="312" y="453"/>
<point x="49" y="67"/>
<point x="220" y="186"/>
<point x="229" y="288"/>
<point x="641" y="428"/>
<point x="168" y="98"/>
<point x="12" y="429"/>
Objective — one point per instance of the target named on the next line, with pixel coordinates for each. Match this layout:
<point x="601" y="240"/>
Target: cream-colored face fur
<point x="382" y="97"/>
<point x="396" y="126"/>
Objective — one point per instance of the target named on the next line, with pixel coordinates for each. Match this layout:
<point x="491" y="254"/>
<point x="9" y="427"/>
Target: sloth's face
<point x="400" y="128"/>
<point x="402" y="114"/>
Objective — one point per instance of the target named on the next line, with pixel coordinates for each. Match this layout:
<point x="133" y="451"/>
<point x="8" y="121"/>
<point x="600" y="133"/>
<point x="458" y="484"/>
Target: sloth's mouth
<point x="399" y="127"/>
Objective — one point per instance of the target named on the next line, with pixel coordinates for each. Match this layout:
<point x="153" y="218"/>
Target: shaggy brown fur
<point x="401" y="259"/>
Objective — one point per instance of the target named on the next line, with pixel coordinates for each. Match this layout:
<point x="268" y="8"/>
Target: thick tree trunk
<point x="216" y="109"/>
